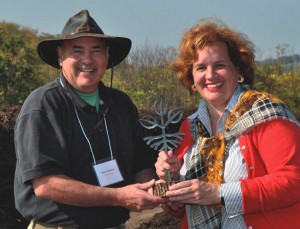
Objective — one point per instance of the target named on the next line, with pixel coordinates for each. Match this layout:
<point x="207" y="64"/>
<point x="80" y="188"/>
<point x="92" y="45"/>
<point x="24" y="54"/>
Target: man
<point x="78" y="143"/>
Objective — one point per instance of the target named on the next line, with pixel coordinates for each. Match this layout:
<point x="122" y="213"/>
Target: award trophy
<point x="165" y="141"/>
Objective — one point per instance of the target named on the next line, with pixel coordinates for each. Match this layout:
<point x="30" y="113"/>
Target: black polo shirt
<point x="49" y="141"/>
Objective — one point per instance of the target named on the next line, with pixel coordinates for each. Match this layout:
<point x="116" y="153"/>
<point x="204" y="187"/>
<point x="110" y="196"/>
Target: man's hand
<point x="136" y="197"/>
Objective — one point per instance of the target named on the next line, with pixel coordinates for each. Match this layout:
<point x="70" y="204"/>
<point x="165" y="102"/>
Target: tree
<point x="147" y="73"/>
<point x="144" y="75"/>
<point x="20" y="67"/>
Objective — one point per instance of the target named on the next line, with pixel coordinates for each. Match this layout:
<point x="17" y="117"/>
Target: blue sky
<point x="162" y="22"/>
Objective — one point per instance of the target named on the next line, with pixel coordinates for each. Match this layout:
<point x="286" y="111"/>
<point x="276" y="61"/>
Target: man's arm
<point x="62" y="189"/>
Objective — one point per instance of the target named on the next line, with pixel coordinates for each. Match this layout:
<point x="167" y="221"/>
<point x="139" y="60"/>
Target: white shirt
<point x="235" y="168"/>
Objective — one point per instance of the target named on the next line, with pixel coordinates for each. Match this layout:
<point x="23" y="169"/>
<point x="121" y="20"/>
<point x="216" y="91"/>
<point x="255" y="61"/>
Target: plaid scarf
<point x="208" y="159"/>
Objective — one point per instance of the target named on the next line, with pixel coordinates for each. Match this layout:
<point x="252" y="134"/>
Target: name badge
<point x="108" y="173"/>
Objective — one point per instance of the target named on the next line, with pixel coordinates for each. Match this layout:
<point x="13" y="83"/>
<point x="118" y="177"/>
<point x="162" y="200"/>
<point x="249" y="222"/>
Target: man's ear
<point x="107" y="52"/>
<point x="59" y="54"/>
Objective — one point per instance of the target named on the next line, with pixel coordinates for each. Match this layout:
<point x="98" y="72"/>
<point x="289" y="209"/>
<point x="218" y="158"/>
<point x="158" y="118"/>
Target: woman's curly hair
<point x="206" y="32"/>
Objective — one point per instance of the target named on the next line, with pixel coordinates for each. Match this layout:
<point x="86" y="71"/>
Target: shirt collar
<point x="234" y="99"/>
<point x="202" y="112"/>
<point x="104" y="95"/>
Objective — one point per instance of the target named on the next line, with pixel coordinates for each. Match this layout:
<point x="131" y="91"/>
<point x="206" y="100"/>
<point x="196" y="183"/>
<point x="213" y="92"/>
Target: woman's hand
<point x="195" y="192"/>
<point x="170" y="207"/>
<point x="167" y="162"/>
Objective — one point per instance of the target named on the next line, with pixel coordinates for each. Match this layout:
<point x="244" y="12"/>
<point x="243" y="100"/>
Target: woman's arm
<point x="272" y="154"/>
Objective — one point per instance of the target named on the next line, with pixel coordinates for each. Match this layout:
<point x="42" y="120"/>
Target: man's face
<point x="83" y="62"/>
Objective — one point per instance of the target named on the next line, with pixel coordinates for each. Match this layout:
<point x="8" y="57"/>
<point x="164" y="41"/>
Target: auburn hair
<point x="206" y="32"/>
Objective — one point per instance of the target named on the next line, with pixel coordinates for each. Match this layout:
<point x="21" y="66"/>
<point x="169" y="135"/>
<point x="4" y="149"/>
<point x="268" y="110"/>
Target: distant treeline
<point x="144" y="75"/>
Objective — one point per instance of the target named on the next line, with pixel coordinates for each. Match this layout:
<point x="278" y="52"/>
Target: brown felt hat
<point x="83" y="25"/>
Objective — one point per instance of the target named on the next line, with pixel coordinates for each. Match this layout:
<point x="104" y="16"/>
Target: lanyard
<point x="87" y="139"/>
<point x="83" y="132"/>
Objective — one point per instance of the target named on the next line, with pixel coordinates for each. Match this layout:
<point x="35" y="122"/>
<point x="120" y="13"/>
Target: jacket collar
<point x="69" y="89"/>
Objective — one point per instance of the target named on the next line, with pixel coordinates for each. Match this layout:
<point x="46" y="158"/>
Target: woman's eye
<point x="220" y="66"/>
<point x="200" y="68"/>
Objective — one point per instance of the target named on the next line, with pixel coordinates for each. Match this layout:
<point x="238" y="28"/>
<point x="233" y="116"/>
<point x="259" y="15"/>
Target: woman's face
<point x="215" y="77"/>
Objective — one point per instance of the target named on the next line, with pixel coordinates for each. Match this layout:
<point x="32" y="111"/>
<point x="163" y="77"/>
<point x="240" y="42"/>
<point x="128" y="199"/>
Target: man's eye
<point x="77" y="51"/>
<point x="98" y="50"/>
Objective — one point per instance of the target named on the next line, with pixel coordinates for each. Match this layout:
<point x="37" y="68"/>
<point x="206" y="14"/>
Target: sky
<point x="267" y="23"/>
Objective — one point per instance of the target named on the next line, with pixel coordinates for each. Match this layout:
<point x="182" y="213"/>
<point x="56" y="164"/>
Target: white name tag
<point x="108" y="173"/>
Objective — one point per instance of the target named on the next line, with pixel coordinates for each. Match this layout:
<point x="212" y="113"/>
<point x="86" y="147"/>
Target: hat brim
<point x="119" y="48"/>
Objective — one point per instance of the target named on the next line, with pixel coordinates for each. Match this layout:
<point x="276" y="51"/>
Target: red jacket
<point x="271" y="193"/>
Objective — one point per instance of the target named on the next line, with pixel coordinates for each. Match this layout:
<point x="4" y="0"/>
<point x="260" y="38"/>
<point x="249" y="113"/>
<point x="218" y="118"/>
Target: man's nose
<point x="87" y="57"/>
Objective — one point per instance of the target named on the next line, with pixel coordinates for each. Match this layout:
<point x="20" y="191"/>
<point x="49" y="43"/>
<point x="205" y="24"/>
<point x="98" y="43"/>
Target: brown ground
<point x="151" y="219"/>
<point x="11" y="219"/>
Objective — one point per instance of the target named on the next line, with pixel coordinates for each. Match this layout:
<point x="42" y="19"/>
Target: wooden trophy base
<point x="160" y="189"/>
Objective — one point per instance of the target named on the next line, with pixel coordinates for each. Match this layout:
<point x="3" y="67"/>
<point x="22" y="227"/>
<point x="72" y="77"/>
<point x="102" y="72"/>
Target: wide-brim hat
<point x="83" y="25"/>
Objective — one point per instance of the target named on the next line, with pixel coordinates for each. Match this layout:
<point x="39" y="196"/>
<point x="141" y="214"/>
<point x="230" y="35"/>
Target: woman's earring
<point x="194" y="87"/>
<point x="241" y="79"/>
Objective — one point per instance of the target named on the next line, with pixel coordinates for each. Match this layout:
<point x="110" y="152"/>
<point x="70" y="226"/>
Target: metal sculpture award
<point x="165" y="141"/>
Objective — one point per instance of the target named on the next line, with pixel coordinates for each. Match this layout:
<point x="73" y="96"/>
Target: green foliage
<point x="285" y="86"/>
<point x="144" y="75"/>
<point x="16" y="68"/>
<point x="21" y="70"/>
<point x="280" y="76"/>
<point x="147" y="74"/>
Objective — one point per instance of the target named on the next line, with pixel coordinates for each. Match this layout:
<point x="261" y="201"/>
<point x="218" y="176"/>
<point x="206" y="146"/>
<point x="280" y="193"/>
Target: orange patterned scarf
<point x="208" y="159"/>
<point x="213" y="149"/>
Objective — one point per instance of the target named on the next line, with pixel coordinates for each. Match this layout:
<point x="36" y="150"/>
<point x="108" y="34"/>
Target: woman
<point x="240" y="157"/>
